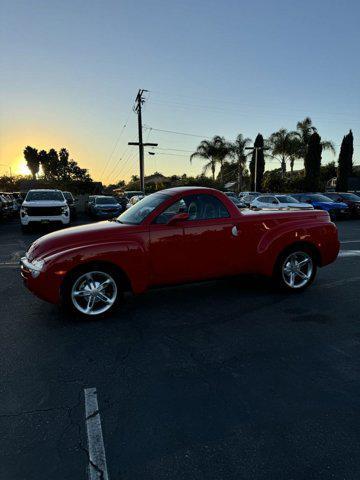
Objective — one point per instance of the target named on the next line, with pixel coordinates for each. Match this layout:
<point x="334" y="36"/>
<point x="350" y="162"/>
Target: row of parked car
<point x="10" y="203"/>
<point x="337" y="204"/>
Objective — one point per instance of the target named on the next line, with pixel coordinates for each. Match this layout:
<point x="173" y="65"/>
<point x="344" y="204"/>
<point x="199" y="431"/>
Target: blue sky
<point x="70" y="71"/>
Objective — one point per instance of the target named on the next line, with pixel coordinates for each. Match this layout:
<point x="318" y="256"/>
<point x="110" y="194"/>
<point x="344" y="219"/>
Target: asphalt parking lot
<point x="220" y="380"/>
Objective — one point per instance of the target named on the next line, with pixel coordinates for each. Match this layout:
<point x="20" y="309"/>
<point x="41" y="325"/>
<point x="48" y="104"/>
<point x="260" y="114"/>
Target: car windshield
<point x="317" y="197"/>
<point x="42" y="195"/>
<point x="287" y="199"/>
<point x="68" y="196"/>
<point x="351" y="196"/>
<point x="106" y="201"/>
<point x="138" y="212"/>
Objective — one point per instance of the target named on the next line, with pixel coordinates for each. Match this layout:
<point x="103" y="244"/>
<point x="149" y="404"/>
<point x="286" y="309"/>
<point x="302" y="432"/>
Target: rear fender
<point x="276" y="241"/>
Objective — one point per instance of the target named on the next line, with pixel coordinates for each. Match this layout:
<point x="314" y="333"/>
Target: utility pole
<point x="256" y="161"/>
<point x="139" y="100"/>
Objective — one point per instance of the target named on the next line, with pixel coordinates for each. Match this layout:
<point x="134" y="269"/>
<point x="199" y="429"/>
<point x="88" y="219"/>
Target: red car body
<point x="152" y="254"/>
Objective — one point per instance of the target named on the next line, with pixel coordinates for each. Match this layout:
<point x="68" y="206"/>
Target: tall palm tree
<point x="32" y="160"/>
<point x="284" y="145"/>
<point x="237" y="151"/>
<point x="305" y="129"/>
<point x="214" y="151"/>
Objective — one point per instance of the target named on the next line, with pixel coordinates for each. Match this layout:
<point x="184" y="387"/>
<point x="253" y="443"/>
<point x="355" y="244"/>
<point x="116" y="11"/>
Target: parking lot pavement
<point x="221" y="380"/>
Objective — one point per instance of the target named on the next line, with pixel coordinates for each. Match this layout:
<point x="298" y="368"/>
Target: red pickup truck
<point x="175" y="236"/>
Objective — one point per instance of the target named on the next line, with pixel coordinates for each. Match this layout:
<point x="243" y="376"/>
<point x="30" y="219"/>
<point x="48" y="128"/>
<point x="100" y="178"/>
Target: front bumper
<point x="40" y="282"/>
<point x="26" y="219"/>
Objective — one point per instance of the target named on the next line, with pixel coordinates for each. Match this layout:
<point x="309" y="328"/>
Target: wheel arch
<point x="300" y="244"/>
<point x="122" y="276"/>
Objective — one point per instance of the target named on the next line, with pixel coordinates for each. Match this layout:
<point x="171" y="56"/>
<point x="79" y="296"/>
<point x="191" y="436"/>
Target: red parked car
<point x="175" y="236"/>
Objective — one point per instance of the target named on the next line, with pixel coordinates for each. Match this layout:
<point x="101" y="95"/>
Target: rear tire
<point x="295" y="269"/>
<point x="92" y="292"/>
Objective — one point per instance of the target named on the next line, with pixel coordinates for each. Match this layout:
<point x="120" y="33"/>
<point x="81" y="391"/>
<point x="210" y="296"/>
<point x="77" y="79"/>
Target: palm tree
<point x="285" y="145"/>
<point x="237" y="151"/>
<point x="214" y="151"/>
<point x="305" y="129"/>
<point x="32" y="160"/>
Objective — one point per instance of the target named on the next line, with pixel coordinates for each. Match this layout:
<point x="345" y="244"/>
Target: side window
<point x="199" y="207"/>
<point x="177" y="207"/>
<point x="265" y="199"/>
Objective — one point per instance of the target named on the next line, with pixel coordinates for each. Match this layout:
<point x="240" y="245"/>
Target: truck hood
<point x="45" y="203"/>
<point x="83" y="235"/>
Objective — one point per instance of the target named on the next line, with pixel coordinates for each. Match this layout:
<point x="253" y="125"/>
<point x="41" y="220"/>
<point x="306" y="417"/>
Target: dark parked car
<point x="8" y="205"/>
<point x="104" y="207"/>
<point x="71" y="203"/>
<point x="351" y="200"/>
<point x="89" y="202"/>
<point x="322" y="202"/>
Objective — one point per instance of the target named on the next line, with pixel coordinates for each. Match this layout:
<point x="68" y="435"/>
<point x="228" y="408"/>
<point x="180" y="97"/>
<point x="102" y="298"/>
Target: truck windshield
<point x="42" y="195"/>
<point x="138" y="212"/>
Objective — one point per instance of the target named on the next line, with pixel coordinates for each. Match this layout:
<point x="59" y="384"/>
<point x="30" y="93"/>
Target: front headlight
<point x="65" y="210"/>
<point x="38" y="264"/>
<point x="23" y="210"/>
<point x="34" y="267"/>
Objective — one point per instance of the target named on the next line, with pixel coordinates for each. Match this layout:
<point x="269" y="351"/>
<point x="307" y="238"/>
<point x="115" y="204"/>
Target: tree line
<point x="304" y="144"/>
<point x="56" y="166"/>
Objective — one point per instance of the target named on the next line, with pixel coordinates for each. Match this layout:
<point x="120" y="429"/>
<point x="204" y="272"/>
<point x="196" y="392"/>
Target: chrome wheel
<point x="297" y="269"/>
<point x="94" y="293"/>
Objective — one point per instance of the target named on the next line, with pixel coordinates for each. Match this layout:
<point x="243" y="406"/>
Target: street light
<point x="256" y="157"/>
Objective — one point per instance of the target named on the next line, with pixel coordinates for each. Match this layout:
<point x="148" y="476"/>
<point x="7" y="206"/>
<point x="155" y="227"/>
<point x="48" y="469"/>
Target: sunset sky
<point x="70" y="71"/>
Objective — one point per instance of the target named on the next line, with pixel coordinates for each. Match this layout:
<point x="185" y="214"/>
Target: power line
<point x="175" y="133"/>
<point x="116" y="144"/>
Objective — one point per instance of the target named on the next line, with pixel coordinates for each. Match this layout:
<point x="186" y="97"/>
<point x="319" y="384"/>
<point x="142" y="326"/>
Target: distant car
<point x="8" y="207"/>
<point x="71" y="202"/>
<point x="90" y="201"/>
<point x="104" y="207"/>
<point x="279" y="202"/>
<point x="3" y="207"/>
<point x="134" y="199"/>
<point x="44" y="206"/>
<point x="352" y="201"/>
<point x="248" y="197"/>
<point x="19" y="198"/>
<point x="132" y="193"/>
<point x="321" y="202"/>
<point x="235" y="199"/>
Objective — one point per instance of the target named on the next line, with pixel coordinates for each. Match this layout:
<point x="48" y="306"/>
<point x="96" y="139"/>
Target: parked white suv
<point x="279" y="202"/>
<point x="44" y="206"/>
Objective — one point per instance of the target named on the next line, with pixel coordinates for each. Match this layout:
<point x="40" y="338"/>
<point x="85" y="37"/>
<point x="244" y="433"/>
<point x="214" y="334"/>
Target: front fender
<point x="129" y="256"/>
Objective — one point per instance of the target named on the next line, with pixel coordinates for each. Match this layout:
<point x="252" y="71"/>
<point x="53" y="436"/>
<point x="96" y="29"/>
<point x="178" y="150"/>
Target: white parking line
<point x="97" y="468"/>
<point x="349" y="253"/>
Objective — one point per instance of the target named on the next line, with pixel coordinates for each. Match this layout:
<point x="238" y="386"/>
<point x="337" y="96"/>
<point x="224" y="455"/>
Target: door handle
<point x="234" y="231"/>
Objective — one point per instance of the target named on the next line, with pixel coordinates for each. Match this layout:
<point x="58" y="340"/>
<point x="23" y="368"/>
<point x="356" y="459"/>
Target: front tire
<point x="296" y="269"/>
<point x="92" y="292"/>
